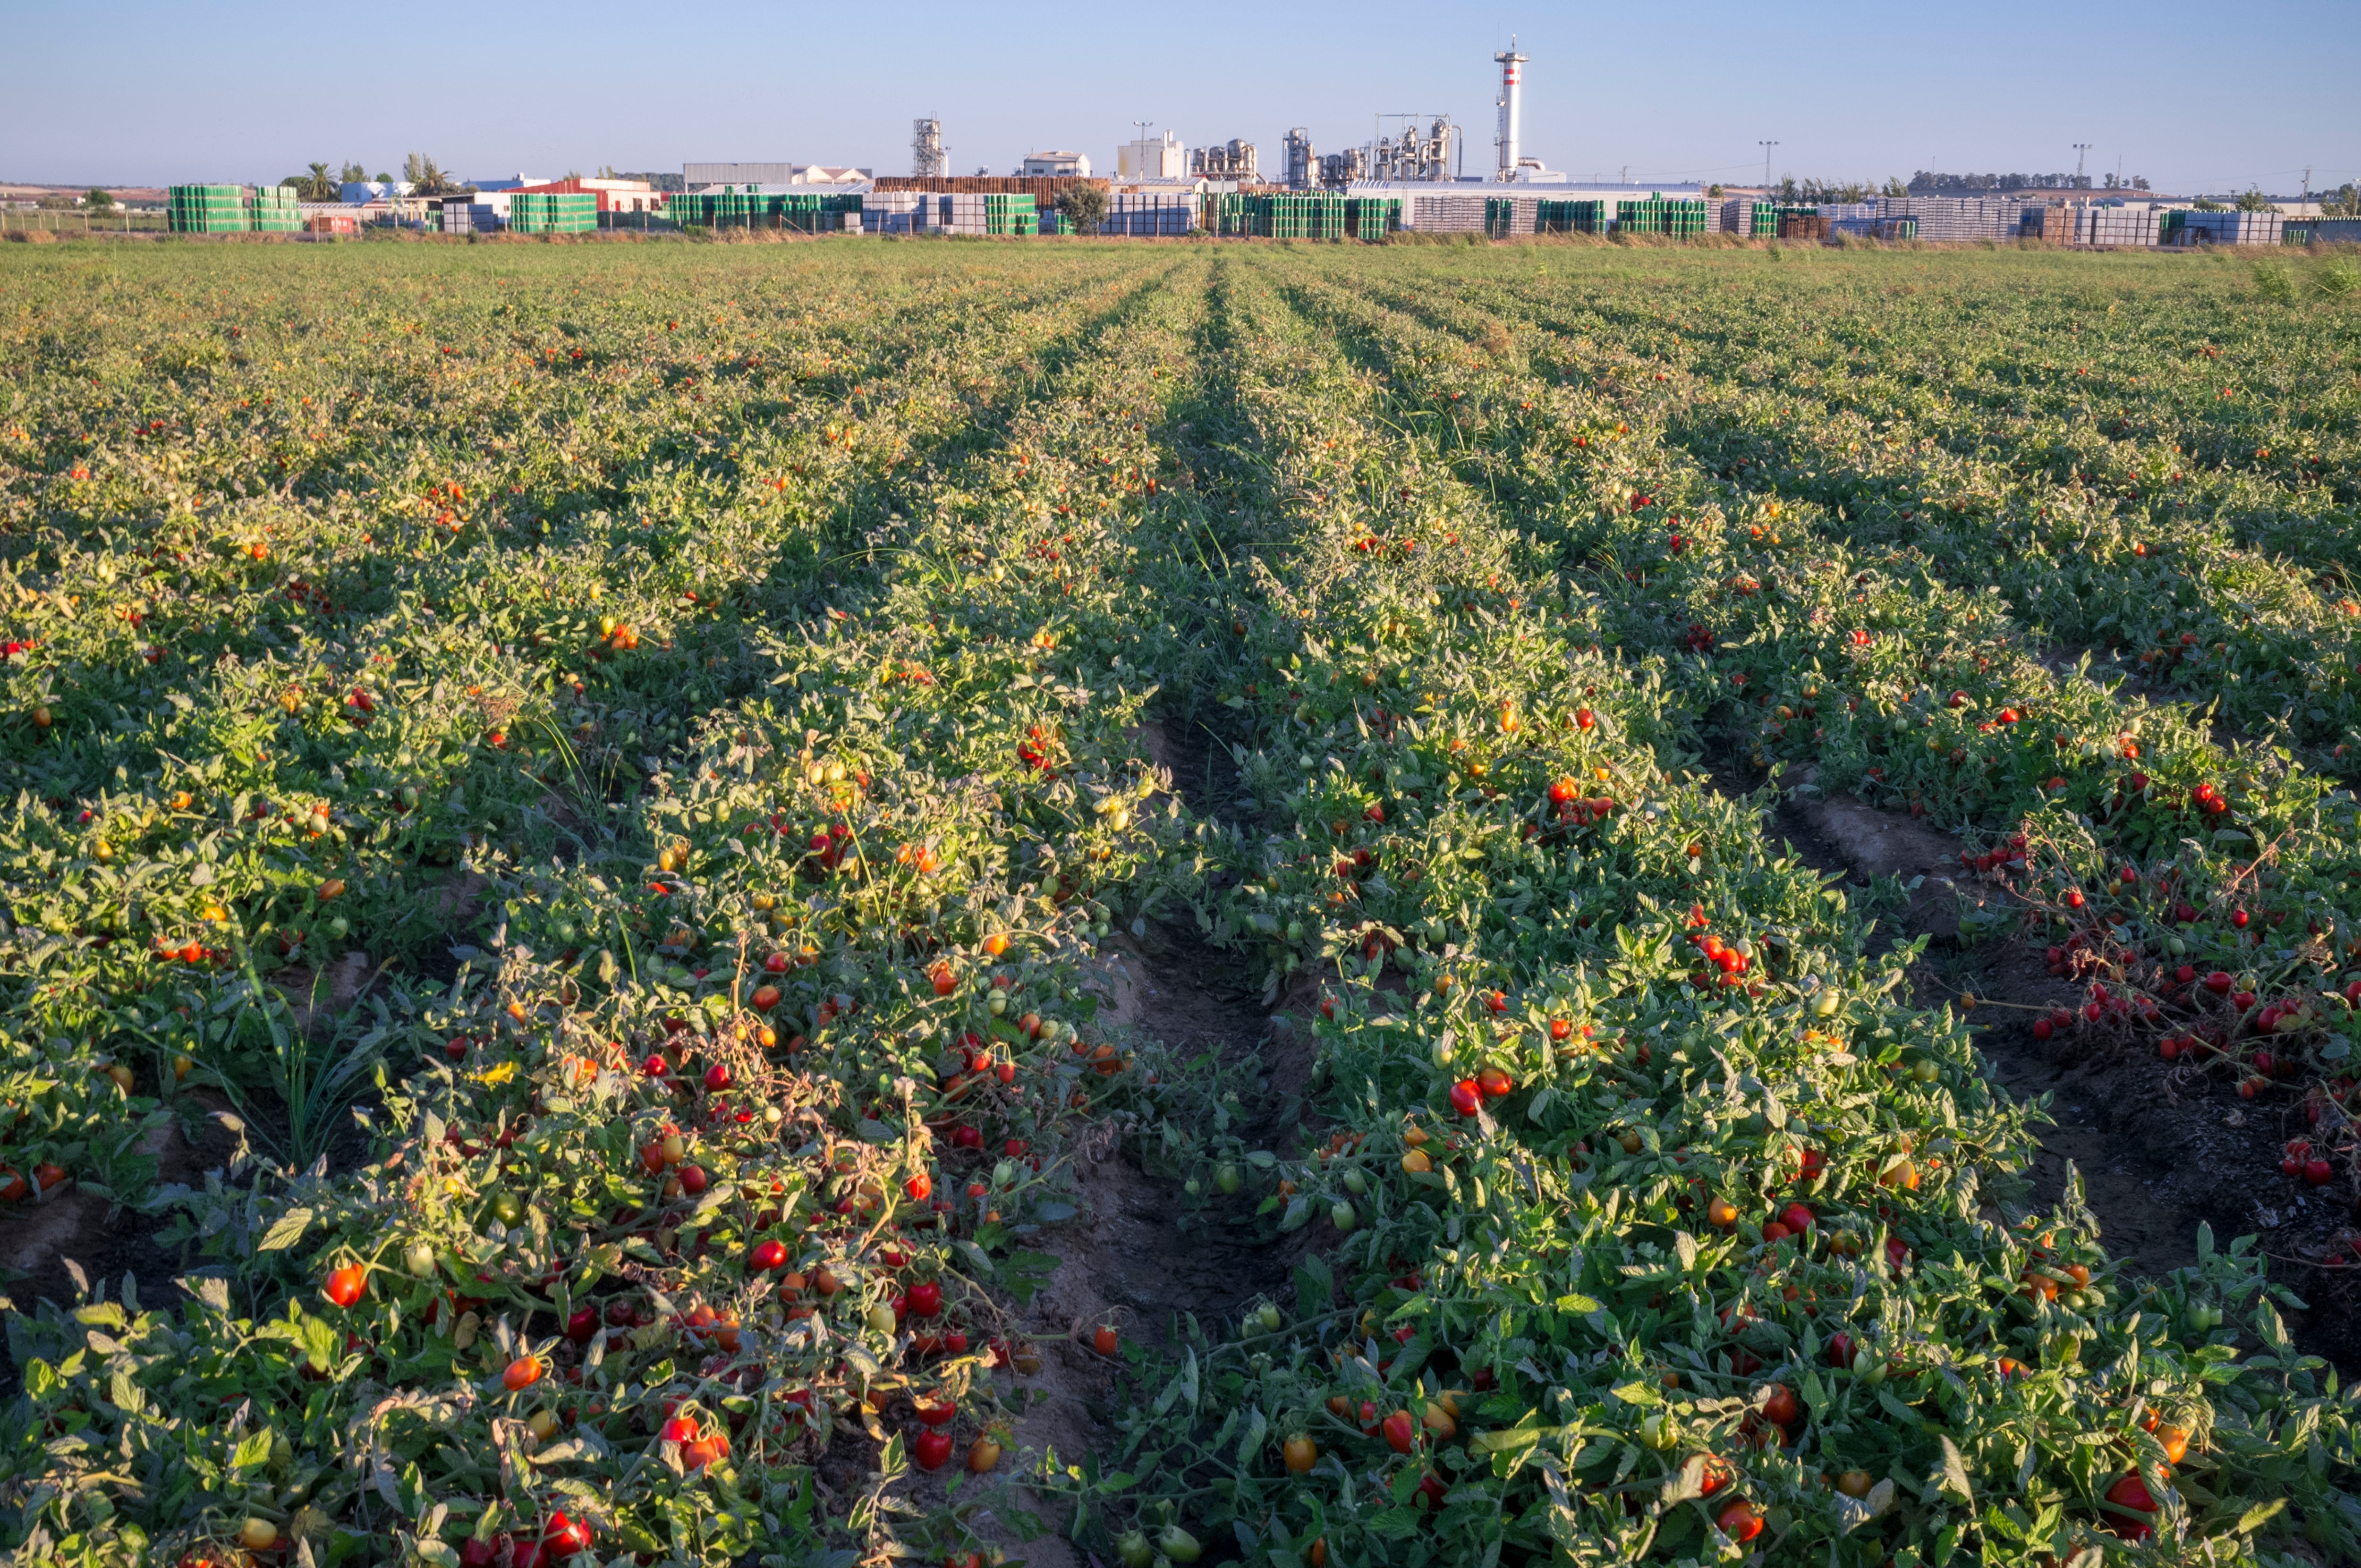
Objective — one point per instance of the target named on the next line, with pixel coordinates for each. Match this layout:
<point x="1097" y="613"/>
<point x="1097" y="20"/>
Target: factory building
<point x="1158" y="158"/>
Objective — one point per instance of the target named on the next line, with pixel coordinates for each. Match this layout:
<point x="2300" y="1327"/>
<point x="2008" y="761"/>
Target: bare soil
<point x="1138" y="1257"/>
<point x="73" y="1239"/>
<point x="2159" y="1147"/>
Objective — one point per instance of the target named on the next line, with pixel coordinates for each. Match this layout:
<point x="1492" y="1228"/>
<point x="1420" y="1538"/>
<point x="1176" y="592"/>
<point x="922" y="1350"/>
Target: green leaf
<point x="2261" y="1514"/>
<point x="1576" y="1304"/>
<point x="1955" y="1470"/>
<point x="1315" y="1286"/>
<point x="285" y="1232"/>
<point x="253" y="1451"/>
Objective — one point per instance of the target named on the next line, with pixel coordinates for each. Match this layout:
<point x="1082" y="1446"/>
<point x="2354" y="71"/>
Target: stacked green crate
<point x="1371" y="218"/>
<point x="205" y="209"/>
<point x="1561" y="217"/>
<point x="274" y="211"/>
<point x="1659" y="215"/>
<point x="1003" y="215"/>
<point x="553" y="212"/>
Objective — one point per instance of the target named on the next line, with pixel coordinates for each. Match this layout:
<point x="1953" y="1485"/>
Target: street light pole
<point x="1766" y="166"/>
<point x="1141" y="143"/>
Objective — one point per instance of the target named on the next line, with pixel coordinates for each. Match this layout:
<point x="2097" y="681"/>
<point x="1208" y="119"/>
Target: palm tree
<point x="319" y="186"/>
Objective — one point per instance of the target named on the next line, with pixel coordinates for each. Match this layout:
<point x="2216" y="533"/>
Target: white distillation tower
<point x="1512" y="86"/>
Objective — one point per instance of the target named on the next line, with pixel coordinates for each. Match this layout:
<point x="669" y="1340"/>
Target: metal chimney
<point x="1512" y="83"/>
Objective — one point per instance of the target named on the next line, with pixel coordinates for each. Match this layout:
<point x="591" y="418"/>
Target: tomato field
<point x="604" y="844"/>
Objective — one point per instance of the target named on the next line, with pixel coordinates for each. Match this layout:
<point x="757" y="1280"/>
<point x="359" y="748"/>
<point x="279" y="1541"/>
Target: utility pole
<point x="2080" y="148"/>
<point x="1766" y="166"/>
<point x="1141" y="126"/>
<point x="2306" y="188"/>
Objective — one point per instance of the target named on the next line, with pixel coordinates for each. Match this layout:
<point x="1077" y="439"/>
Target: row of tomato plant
<point x="1650" y="1223"/>
<point x="2204" y="890"/>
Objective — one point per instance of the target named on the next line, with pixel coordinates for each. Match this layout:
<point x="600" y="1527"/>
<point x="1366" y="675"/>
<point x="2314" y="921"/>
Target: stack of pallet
<point x="1802" y="223"/>
<point x="892" y="211"/>
<point x="972" y="214"/>
<point x="1890" y="231"/>
<point x="1446" y="214"/>
<point x="1150" y="214"/>
<point x="1749" y="219"/>
<point x="2220" y="228"/>
<point x="1953" y="220"/>
<point x="1509" y="216"/>
<point x="2116" y="227"/>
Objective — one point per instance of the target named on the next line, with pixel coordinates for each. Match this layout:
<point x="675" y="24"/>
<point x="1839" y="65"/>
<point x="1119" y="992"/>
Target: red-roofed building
<point x="614" y="195"/>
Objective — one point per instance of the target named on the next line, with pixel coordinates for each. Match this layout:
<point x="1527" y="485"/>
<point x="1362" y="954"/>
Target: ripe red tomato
<point x="1842" y="1350"/>
<point x="945" y="982"/>
<point x="1796" y="1218"/>
<point x="692" y="1180"/>
<point x="717" y="1078"/>
<point x="679" y="1429"/>
<point x="932" y="1449"/>
<point x="765" y="997"/>
<point x="1584" y="719"/>
<point x="1467" y="1096"/>
<point x="345" y="1285"/>
<point x="1564" y="792"/>
<point x="920" y="1186"/>
<point x="1495" y="1083"/>
<point x="938" y="1412"/>
<point x="2130" y="1492"/>
<point x="1401" y="1432"/>
<point x="565" y="1537"/>
<point x="926" y="1300"/>
<point x="581" y="1324"/>
<point x="777" y="963"/>
<point x="1105" y="1341"/>
<point x="1739" y="1522"/>
<point x="1430" y="1488"/>
<point x="1560" y="1029"/>
<point x="967" y="1137"/>
<point x="1780" y="1408"/>
<point x="521" y="1374"/>
<point x="768" y="1254"/>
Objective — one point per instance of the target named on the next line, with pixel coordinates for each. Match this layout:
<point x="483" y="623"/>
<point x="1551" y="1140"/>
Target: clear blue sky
<point x="2195" y="96"/>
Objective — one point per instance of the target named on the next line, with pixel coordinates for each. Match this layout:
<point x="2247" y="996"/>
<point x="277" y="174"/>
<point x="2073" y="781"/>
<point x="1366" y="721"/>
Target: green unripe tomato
<point x="880" y="1318"/>
<point x="1341" y="1215"/>
<point x="997" y="1002"/>
<point x="1178" y="1544"/>
<point x="419" y="1259"/>
<point x="1227" y="1176"/>
<point x="1355" y="1183"/>
<point x="1133" y="1550"/>
<point x="1268" y="1317"/>
<point x="507" y="1210"/>
<point x="1928" y="1070"/>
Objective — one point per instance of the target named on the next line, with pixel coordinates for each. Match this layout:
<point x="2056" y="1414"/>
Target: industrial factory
<point x="1408" y="176"/>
